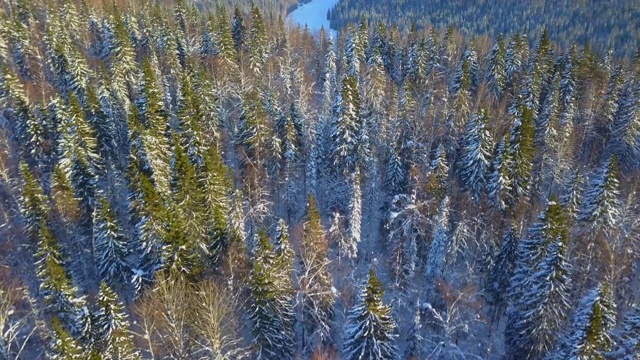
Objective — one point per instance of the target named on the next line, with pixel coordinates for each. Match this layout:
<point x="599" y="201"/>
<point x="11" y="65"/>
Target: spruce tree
<point x="355" y="217"/>
<point x="590" y="335"/>
<point x="475" y="155"/>
<point x="33" y="202"/>
<point x="110" y="244"/>
<point x="600" y="204"/>
<point x="438" y="176"/>
<point x="61" y="299"/>
<point x="406" y="222"/>
<point x="571" y="196"/>
<point x="345" y="128"/>
<point x="522" y="152"/>
<point x="271" y="313"/>
<point x="496" y="76"/>
<point x="154" y="117"/>
<point x="440" y="246"/>
<point x="503" y="268"/>
<point x="499" y="184"/>
<point x="62" y="345"/>
<point x="538" y="292"/>
<point x="370" y="330"/>
<point x="258" y="47"/>
<point x="628" y="341"/>
<point x="543" y="307"/>
<point x="238" y="29"/>
<point x="316" y="280"/>
<point x="114" y="341"/>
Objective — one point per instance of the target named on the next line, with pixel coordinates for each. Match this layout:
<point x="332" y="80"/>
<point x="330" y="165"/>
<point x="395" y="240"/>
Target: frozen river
<point x="313" y="14"/>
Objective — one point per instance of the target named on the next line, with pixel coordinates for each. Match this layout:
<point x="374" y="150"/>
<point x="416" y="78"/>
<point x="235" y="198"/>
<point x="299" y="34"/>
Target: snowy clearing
<point x="313" y="14"/>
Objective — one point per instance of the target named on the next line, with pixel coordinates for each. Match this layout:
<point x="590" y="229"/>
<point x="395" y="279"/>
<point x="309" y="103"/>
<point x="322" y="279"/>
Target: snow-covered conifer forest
<point x="202" y="180"/>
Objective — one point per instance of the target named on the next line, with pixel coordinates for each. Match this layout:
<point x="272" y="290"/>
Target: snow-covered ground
<point x="313" y="14"/>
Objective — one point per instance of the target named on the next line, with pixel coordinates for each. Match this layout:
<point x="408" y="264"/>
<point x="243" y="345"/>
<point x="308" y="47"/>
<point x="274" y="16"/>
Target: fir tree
<point x="413" y="350"/>
<point x="440" y="246"/>
<point x="406" y="222"/>
<point x="111" y="324"/>
<point x="60" y="295"/>
<point x="571" y="196"/>
<point x="271" y="315"/>
<point x="543" y="307"/>
<point x="522" y="152"/>
<point x="475" y="158"/>
<point x="62" y="345"/>
<point x="600" y="203"/>
<point x="628" y="340"/>
<point x="345" y="128"/>
<point x="590" y="334"/>
<point x="503" y="268"/>
<point x="316" y="280"/>
<point x="355" y="217"/>
<point x="370" y="328"/>
<point x="110" y="245"/>
<point x="238" y="30"/>
<point x="496" y="76"/>
<point x="33" y="202"/>
<point x="499" y="184"/>
<point x="258" y="47"/>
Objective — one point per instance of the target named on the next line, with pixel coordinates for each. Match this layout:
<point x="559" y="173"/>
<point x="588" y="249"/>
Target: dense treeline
<point x="181" y="184"/>
<point x="604" y="24"/>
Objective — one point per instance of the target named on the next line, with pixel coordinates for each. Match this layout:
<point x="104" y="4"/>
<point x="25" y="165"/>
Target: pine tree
<point x="216" y="184"/>
<point x="590" y="335"/>
<point x="345" y="128"/>
<point x="438" y="177"/>
<point x="316" y="281"/>
<point x="571" y="196"/>
<point x="538" y="290"/>
<point x="154" y="117"/>
<point x="600" y="203"/>
<point x="110" y="245"/>
<point x="440" y="246"/>
<point x="33" y="202"/>
<point x="475" y="156"/>
<point x="625" y="129"/>
<point x="370" y="328"/>
<point x="543" y="307"/>
<point x="63" y="346"/>
<point x="60" y="295"/>
<point x="629" y="339"/>
<point x="258" y="47"/>
<point x="355" y="217"/>
<point x="238" y="30"/>
<point x="496" y="76"/>
<point x="499" y="184"/>
<point x="522" y="152"/>
<point x="271" y="314"/>
<point x="111" y="324"/>
<point x="406" y="223"/>
<point x="503" y="269"/>
<point x="413" y="350"/>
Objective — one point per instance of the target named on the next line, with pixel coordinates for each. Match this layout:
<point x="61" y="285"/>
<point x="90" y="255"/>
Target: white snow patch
<point x="313" y="14"/>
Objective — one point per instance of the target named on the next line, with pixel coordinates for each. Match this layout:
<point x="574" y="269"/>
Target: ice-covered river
<point x="313" y="14"/>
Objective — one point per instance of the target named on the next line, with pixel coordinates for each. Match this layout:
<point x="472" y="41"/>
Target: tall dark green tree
<point x="370" y="330"/>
